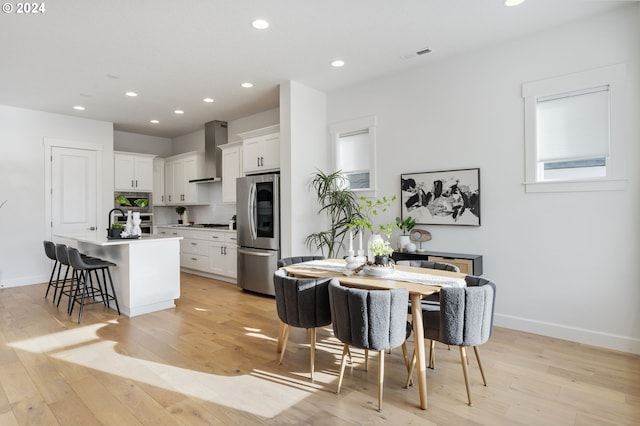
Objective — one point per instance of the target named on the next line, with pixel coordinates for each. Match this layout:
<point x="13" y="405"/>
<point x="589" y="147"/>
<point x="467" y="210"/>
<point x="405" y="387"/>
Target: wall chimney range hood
<point x="215" y="134"/>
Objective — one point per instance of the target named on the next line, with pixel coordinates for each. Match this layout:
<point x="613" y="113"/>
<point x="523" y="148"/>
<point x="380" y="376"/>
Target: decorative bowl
<point x="378" y="271"/>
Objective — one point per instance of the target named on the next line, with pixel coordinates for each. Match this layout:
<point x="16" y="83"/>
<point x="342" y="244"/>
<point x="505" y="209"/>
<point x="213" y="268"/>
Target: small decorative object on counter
<point x="136" y="224"/>
<point x="181" y="210"/>
<point x="116" y="230"/>
<point x="128" y="228"/>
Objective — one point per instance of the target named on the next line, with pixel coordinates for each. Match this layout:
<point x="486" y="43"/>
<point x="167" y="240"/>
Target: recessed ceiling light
<point x="208" y="100"/>
<point x="337" y="63"/>
<point x="131" y="94"/>
<point x="179" y="111"/>
<point x="260" y="24"/>
<point x="512" y="2"/>
<point x="247" y="85"/>
<point x="79" y="107"/>
<point x="154" y="121"/>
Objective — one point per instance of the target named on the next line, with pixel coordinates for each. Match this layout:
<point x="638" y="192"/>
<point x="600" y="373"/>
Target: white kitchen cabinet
<point x="231" y="170"/>
<point x="261" y="149"/>
<point x="223" y="254"/>
<point x="158" y="182"/>
<point x="178" y="170"/>
<point x="133" y="172"/>
<point x="194" y="254"/>
<point x="211" y="254"/>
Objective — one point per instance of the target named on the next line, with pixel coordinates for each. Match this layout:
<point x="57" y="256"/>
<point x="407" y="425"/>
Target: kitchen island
<point x="147" y="275"/>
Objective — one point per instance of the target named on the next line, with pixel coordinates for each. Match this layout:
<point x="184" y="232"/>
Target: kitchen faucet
<point x="109" y="216"/>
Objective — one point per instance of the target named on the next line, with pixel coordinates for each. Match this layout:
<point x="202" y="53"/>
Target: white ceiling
<point x="175" y="53"/>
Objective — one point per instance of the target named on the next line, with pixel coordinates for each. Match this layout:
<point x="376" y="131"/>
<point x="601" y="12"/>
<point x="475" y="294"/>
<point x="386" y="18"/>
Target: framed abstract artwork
<point x="447" y="197"/>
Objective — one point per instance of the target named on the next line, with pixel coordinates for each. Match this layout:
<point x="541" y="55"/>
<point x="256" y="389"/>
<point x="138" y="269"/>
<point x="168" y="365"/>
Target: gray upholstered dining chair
<point x="429" y="264"/>
<point x="285" y="261"/>
<point x="368" y="319"/>
<point x="303" y="303"/>
<point x="434" y="298"/>
<point x="465" y="319"/>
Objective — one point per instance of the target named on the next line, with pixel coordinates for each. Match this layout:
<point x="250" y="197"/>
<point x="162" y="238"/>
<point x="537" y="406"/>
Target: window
<point x="569" y="141"/>
<point x="354" y="153"/>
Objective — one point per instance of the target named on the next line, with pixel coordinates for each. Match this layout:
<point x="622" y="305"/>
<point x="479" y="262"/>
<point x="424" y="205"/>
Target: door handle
<point x="92" y="228"/>
<point x="254" y="253"/>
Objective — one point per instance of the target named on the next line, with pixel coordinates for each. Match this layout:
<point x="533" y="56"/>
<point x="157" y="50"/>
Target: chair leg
<point x="380" y="378"/>
<point x="64" y="282"/>
<point x="312" y="351"/>
<point x="366" y="360"/>
<point x="475" y="349"/>
<point x="285" y="337"/>
<point x="412" y="365"/>
<point x="465" y="372"/>
<point x="55" y="265"/>
<point x="432" y="354"/>
<point x="113" y="290"/>
<point x="280" y="337"/>
<point x="407" y="364"/>
<point x="343" y="363"/>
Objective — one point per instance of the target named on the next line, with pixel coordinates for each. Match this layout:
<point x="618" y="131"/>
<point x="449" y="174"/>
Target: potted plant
<point x="381" y="250"/>
<point x="405" y="227"/>
<point x="180" y="210"/>
<point x="340" y="205"/>
<point x="115" y="230"/>
<point x="369" y="210"/>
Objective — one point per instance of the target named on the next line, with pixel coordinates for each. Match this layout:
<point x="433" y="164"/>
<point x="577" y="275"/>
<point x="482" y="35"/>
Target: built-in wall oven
<point x="135" y="202"/>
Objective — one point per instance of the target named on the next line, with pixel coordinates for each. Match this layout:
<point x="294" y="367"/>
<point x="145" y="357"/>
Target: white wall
<point x="302" y="151"/>
<point x="143" y="144"/>
<point x="22" y="219"/>
<point x="564" y="263"/>
<point x="190" y="142"/>
<point x="256" y="121"/>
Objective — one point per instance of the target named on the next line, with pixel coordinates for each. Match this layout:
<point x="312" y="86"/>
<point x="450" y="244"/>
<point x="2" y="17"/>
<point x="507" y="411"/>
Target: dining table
<point x="420" y="282"/>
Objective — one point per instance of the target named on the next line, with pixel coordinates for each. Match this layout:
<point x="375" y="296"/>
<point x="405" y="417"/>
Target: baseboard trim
<point x="572" y="334"/>
<point x="19" y="282"/>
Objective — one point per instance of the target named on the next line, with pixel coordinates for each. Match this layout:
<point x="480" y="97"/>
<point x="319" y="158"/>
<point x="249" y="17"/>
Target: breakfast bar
<point x="147" y="275"/>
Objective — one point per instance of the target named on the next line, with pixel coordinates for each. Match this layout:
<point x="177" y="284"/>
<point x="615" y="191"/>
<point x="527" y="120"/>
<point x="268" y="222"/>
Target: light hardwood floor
<point x="212" y="360"/>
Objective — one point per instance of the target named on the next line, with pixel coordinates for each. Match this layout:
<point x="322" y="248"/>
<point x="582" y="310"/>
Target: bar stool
<point x="85" y="287"/>
<point x="50" y="251"/>
<point x="62" y="253"/>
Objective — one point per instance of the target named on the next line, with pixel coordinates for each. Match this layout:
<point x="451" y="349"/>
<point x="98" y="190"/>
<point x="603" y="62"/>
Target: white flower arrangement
<point x="381" y="248"/>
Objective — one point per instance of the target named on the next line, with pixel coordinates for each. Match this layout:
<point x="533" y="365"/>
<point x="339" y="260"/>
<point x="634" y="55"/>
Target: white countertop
<point x="99" y="238"/>
<point x="195" y="228"/>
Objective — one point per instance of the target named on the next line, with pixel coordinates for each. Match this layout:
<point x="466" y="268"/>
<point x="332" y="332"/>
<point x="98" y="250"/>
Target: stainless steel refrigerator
<point x="258" y="227"/>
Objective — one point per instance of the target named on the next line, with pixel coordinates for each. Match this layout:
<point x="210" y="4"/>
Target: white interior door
<point x="73" y="190"/>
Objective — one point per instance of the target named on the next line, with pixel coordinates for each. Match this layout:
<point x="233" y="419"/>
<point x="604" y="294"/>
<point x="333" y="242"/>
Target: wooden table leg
<point x="418" y="336"/>
<point x="280" y="336"/>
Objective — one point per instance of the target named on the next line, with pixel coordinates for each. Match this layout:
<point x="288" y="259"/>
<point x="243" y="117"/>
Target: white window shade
<point x="354" y="151"/>
<point x="574" y="125"/>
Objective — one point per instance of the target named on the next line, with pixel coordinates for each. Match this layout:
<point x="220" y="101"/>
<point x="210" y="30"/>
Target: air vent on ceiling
<point x="417" y="53"/>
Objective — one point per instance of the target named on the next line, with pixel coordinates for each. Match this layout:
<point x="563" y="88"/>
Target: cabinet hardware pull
<point x="132" y="184"/>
